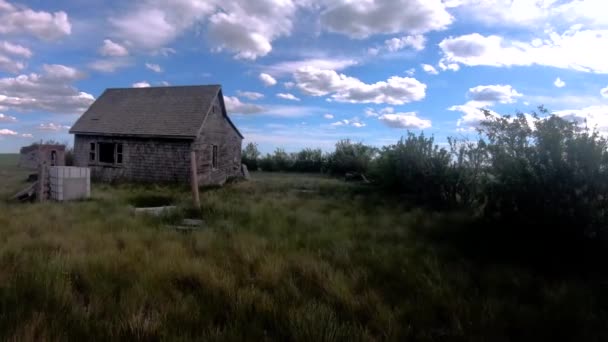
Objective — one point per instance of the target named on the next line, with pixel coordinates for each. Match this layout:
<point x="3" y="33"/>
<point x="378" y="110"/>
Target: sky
<point x="306" y="73"/>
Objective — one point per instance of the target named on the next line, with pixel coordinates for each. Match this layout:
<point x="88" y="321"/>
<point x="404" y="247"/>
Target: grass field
<point x="282" y="257"/>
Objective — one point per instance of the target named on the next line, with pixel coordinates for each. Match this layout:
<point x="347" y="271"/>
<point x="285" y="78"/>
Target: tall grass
<point x="282" y="257"/>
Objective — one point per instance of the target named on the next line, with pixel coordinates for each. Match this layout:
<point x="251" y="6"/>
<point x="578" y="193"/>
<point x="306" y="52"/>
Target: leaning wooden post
<point x="41" y="182"/>
<point x="194" y="179"/>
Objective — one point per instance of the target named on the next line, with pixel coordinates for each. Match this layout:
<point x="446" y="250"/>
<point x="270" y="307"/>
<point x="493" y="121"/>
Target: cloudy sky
<point x="305" y="73"/>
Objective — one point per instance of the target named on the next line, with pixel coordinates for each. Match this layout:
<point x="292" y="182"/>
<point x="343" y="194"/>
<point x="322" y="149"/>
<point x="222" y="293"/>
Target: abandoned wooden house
<point x="32" y="156"/>
<point x="147" y="134"/>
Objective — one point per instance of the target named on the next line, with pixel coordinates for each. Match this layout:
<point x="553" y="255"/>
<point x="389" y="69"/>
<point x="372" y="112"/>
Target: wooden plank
<point x="194" y="180"/>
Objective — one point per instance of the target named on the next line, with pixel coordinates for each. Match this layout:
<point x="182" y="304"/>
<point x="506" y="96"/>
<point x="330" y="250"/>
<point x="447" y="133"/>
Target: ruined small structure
<point x="151" y="135"/>
<point x="31" y="157"/>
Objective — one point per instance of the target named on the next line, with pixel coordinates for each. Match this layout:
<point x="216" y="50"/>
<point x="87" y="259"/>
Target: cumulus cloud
<point x="252" y="95"/>
<point x="15" y="49"/>
<point x="328" y="116"/>
<point x="472" y="114"/>
<point x="10" y="64"/>
<point x="109" y="65"/>
<point x="594" y="117"/>
<point x="267" y="80"/>
<point x="247" y="28"/>
<point x="361" y="19"/>
<point x="50" y="91"/>
<point x="142" y="84"/>
<point x="416" y="42"/>
<point x="7" y="118"/>
<point x="235" y="106"/>
<point x="289" y="67"/>
<point x="396" y="90"/>
<point x="559" y="83"/>
<point x="52" y="127"/>
<point x="43" y="25"/>
<point x="354" y="122"/>
<point x="429" y="69"/>
<point x="494" y="93"/>
<point x="112" y="49"/>
<point x="408" y="120"/>
<point x="375" y="113"/>
<point x="154" y="67"/>
<point x="7" y="132"/>
<point x="575" y="49"/>
<point x="288" y="96"/>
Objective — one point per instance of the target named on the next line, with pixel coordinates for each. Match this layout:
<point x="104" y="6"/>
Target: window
<point x="106" y="153"/>
<point x="110" y="153"/>
<point x="92" y="152"/>
<point x="214" y="157"/>
<point x="53" y="157"/>
<point x="118" y="153"/>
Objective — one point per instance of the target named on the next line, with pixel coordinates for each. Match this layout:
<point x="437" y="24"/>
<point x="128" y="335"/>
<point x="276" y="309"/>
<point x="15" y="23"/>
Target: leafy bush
<point x="250" y="156"/>
<point x="350" y="157"/>
<point x="308" y="160"/>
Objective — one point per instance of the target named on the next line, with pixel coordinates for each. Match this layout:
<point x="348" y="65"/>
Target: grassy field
<point x="282" y="257"/>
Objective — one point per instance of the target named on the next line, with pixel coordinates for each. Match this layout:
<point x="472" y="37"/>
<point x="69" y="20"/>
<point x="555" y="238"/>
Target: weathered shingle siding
<point x="146" y="160"/>
<point x="218" y="131"/>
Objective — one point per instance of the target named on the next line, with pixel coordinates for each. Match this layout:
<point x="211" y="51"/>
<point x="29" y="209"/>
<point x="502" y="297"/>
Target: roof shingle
<point x="157" y="111"/>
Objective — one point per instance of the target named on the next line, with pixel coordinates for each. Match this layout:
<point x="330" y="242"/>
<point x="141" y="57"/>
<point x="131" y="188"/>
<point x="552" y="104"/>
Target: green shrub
<point x="350" y="157"/>
<point x="250" y="156"/>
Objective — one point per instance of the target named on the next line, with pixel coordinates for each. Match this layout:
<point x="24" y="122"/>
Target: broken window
<point x="214" y="157"/>
<point x="106" y="152"/>
<point x="92" y="152"/>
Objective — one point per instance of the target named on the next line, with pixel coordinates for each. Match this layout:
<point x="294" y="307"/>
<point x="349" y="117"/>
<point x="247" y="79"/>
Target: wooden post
<point x="41" y="182"/>
<point x="194" y="179"/>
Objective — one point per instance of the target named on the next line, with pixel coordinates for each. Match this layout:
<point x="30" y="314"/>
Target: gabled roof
<point x="172" y="112"/>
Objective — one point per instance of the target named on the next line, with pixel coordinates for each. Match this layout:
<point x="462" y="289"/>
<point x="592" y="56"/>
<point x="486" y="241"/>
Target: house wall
<point x="217" y="131"/>
<point x="145" y="160"/>
<point x="32" y="156"/>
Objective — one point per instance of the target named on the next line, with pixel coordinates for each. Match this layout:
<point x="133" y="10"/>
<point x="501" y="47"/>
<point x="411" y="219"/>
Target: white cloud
<point x="15" y="49"/>
<point x="328" y="116"/>
<point x="235" y="106"/>
<point x="354" y="122"/>
<point x="361" y="19"/>
<point x="252" y="95"/>
<point x="50" y="91"/>
<point x="407" y="120"/>
<point x="559" y="83"/>
<point x="396" y="90"/>
<point x="575" y="49"/>
<point x="112" y="49"/>
<point x="473" y="114"/>
<point x="604" y="92"/>
<point x="449" y="66"/>
<point x="429" y="69"/>
<point x="248" y="28"/>
<point x="52" y="127"/>
<point x="7" y="118"/>
<point x="410" y="71"/>
<point x="7" y="132"/>
<point x="289" y="67"/>
<point x="288" y="96"/>
<point x="374" y="113"/>
<point x="43" y="25"/>
<point x="594" y="117"/>
<point x="493" y="93"/>
<point x="289" y="85"/>
<point x="9" y="65"/>
<point x="152" y="24"/>
<point x="267" y="80"/>
<point x="416" y="42"/>
<point x="154" y="67"/>
<point x="26" y="135"/>
<point x="142" y="84"/>
<point x="109" y="65"/>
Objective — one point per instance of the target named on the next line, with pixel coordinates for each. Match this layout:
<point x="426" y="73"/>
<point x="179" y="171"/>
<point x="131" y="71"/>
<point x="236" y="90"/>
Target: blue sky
<point x="305" y="73"/>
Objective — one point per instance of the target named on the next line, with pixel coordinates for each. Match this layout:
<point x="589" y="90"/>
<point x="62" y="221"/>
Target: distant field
<point x="8" y="159"/>
<point x="282" y="257"/>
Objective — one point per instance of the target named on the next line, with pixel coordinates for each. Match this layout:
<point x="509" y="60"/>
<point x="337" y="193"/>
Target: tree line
<point x="540" y="169"/>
